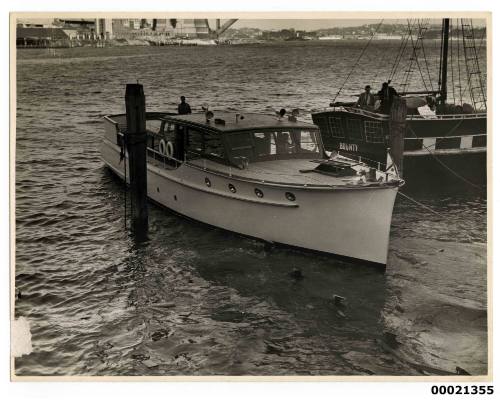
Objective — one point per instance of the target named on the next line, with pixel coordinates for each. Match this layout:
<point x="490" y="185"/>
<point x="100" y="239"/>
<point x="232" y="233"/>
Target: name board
<point x="351" y="147"/>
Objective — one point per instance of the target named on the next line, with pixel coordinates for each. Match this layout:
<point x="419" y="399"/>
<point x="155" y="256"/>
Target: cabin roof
<point x="250" y="121"/>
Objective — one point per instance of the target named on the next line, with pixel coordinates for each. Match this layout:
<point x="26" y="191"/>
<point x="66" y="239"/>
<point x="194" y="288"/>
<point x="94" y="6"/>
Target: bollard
<point x="135" y="139"/>
<point x="397" y="130"/>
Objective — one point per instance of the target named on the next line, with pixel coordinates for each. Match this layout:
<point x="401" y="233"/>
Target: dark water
<point x="199" y="301"/>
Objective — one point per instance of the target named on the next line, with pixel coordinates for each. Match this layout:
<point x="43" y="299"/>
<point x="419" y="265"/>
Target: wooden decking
<point x="279" y="171"/>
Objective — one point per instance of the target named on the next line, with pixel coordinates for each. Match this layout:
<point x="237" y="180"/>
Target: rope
<point x="451" y="64"/>
<point x="420" y="204"/>
<point x="402" y="50"/>
<point x="426" y="63"/>
<point x="398" y="57"/>
<point x="418" y="65"/>
<point x="459" y="73"/>
<point x="444" y="165"/>
<point x="357" y="61"/>
<point x="415" y="57"/>
<point x="476" y="59"/>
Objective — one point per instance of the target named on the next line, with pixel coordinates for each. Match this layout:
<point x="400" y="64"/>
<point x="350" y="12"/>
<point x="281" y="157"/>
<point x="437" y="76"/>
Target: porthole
<point x="232" y="188"/>
<point x="207" y="181"/>
<point x="259" y="193"/>
<point x="290" y="196"/>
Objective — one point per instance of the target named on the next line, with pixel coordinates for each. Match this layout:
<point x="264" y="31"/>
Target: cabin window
<point x="307" y="141"/>
<point x="272" y="144"/>
<point x="264" y="143"/>
<point x="335" y="126"/>
<point x="240" y="147"/>
<point x="194" y="144"/>
<point x="284" y="143"/>
<point x="213" y="145"/>
<point x="374" y="132"/>
<point x="167" y="128"/>
<point x="355" y="129"/>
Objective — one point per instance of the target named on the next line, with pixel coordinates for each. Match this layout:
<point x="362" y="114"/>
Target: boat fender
<point x="162" y="147"/>
<point x="170" y="149"/>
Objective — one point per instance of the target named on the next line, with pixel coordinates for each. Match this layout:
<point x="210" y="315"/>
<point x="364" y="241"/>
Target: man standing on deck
<point x="366" y="100"/>
<point x="183" y="107"/>
<point x="386" y="96"/>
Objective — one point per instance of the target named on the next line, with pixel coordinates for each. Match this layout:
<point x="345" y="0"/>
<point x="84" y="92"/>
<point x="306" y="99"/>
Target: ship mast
<point x="444" y="60"/>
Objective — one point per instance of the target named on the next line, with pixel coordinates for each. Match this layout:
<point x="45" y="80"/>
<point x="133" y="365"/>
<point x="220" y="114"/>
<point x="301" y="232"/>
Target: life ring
<point x="162" y="147"/>
<point x="170" y="149"/>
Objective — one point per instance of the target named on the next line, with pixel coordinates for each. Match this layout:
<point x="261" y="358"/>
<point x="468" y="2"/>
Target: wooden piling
<point x="397" y="129"/>
<point x="135" y="104"/>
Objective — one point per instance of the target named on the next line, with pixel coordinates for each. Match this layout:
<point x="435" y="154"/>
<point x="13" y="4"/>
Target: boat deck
<point x="290" y="171"/>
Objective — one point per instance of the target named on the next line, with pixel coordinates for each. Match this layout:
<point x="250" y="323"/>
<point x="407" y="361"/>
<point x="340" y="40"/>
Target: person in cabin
<point x="183" y="107"/>
<point x="386" y="96"/>
<point x="366" y="100"/>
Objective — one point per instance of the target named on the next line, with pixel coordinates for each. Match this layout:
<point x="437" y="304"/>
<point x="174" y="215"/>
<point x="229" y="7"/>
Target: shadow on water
<point x="249" y="287"/>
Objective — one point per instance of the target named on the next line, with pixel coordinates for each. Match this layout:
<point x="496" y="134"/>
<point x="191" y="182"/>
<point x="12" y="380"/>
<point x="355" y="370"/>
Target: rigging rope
<point x="414" y="56"/>
<point x="476" y="59"/>
<point x="426" y="63"/>
<point x="399" y="56"/>
<point x="451" y="63"/>
<point x="446" y="166"/>
<point x="357" y="61"/>
<point x="469" y="75"/>
<point x="459" y="73"/>
<point x="415" y="49"/>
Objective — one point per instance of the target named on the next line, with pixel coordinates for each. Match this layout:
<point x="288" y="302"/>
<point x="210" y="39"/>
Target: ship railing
<point x="366" y="113"/>
<point x="358" y="111"/>
<point x="385" y="117"/>
<point x="446" y="116"/>
<point x="160" y="159"/>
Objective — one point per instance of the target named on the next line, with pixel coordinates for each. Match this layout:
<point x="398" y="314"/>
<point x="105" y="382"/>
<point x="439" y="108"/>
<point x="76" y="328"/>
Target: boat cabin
<point x="233" y="139"/>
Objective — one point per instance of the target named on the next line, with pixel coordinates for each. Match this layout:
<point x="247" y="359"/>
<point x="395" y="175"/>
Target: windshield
<point x="274" y="144"/>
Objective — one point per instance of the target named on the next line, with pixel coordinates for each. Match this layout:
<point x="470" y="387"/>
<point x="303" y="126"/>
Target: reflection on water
<point x="198" y="300"/>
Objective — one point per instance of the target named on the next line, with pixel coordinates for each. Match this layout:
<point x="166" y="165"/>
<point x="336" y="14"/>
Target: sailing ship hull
<point x="446" y="146"/>
<point x="353" y="223"/>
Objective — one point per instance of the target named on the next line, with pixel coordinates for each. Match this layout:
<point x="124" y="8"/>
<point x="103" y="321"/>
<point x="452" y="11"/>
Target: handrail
<point x="164" y="156"/>
<point x="355" y="110"/>
<point x="366" y="113"/>
<point x="385" y="117"/>
<point x="446" y="116"/>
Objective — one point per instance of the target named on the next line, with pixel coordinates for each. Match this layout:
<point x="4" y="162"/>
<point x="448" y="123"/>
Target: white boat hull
<point x="353" y="223"/>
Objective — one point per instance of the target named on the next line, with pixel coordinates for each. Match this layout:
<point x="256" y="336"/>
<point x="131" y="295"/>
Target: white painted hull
<point x="353" y="223"/>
